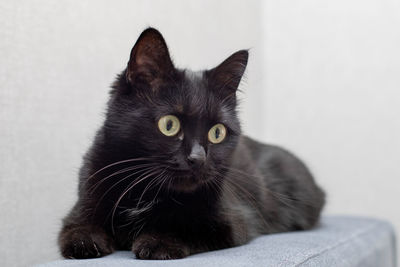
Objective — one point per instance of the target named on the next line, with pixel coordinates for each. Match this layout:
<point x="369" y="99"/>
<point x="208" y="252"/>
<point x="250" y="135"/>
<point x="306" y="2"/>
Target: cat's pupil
<point x="169" y="125"/>
<point x="217" y="133"/>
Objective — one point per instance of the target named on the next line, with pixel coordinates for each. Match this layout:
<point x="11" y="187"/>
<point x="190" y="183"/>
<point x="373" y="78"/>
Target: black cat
<point x="169" y="173"/>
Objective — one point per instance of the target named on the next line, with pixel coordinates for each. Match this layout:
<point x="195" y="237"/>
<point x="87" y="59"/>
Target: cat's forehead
<point x="194" y="84"/>
<point x="198" y="97"/>
<point x="193" y="75"/>
<point x="192" y="97"/>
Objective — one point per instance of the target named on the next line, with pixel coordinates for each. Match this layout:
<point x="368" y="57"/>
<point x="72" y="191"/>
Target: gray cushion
<point x="337" y="241"/>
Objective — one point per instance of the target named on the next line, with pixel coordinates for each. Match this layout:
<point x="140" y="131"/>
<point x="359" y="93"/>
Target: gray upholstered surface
<point x="337" y="241"/>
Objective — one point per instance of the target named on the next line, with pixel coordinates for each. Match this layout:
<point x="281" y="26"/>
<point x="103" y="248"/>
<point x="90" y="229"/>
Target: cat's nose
<point x="197" y="155"/>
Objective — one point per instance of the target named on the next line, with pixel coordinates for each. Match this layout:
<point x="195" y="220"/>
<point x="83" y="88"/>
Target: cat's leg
<point x="159" y="247"/>
<point x="162" y="246"/>
<point x="84" y="241"/>
<point x="81" y="239"/>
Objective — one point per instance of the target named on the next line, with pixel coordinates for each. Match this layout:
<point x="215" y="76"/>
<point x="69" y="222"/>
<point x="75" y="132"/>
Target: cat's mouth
<point x="188" y="181"/>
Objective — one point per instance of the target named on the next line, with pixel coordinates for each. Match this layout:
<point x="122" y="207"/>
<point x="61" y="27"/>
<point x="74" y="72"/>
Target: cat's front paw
<point x="84" y="242"/>
<point x="155" y="247"/>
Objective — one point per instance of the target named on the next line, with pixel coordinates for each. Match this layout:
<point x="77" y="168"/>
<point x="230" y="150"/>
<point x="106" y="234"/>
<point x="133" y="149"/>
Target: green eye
<point x="169" y="125"/>
<point x="217" y="133"/>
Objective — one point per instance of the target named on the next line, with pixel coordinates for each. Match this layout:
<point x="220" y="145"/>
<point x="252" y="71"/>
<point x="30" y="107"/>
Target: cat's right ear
<point x="150" y="61"/>
<point x="225" y="78"/>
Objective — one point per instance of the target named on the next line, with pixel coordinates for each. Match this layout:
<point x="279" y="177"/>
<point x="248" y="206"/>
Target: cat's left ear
<point x="225" y="78"/>
<point x="150" y="61"/>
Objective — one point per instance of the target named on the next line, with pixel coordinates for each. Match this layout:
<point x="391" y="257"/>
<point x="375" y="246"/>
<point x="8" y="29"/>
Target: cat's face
<point x="186" y="120"/>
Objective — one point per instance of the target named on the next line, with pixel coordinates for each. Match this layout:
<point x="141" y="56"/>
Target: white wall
<point x="57" y="61"/>
<point x="333" y="96"/>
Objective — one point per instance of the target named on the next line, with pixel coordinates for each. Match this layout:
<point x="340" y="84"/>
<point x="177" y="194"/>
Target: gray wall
<point x="323" y="80"/>
<point x="333" y="96"/>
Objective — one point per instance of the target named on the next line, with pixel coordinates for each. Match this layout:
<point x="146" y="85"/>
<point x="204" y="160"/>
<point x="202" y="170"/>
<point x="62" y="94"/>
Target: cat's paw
<point x="154" y="247"/>
<point x="84" y="242"/>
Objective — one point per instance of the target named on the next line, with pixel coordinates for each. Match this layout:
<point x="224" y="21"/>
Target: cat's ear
<point x="226" y="77"/>
<point x="150" y="61"/>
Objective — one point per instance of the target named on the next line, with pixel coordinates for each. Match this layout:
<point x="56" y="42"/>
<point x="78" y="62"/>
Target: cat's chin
<point x="186" y="187"/>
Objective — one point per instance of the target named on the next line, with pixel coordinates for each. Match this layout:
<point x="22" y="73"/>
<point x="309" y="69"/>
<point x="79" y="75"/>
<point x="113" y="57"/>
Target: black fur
<point x="138" y="191"/>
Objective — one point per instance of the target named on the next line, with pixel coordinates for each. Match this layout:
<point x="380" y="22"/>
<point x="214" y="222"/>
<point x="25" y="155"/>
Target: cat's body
<point x="168" y="197"/>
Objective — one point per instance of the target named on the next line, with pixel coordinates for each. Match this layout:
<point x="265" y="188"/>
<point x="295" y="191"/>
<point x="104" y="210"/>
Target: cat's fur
<point x="138" y="191"/>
